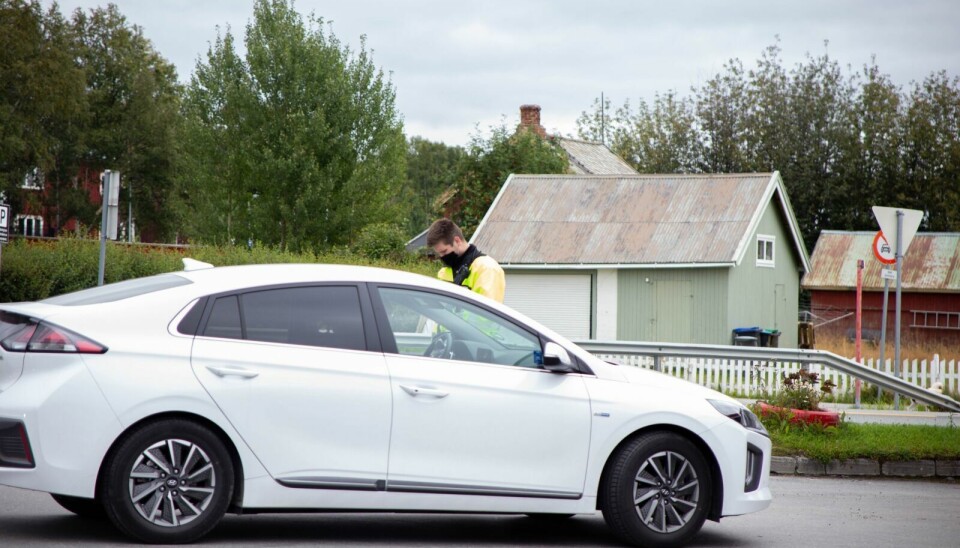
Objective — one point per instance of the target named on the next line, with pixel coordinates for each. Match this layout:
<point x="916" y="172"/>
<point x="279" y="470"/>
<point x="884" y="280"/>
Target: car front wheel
<point x="168" y="482"/>
<point x="657" y="490"/>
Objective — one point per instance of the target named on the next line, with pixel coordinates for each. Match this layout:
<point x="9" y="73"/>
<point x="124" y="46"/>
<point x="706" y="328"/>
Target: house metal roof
<point x="587" y="158"/>
<point x="638" y="220"/>
<point x="931" y="264"/>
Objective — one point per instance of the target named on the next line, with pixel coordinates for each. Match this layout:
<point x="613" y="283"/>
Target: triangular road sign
<point x="887" y="217"/>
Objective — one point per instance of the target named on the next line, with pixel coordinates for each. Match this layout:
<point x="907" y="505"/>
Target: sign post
<point x="856" y="390"/>
<point x="902" y="224"/>
<point x="110" y="196"/>
<point x="4" y="225"/>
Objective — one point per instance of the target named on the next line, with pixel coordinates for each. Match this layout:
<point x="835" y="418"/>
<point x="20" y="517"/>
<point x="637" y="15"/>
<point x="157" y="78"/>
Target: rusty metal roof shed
<point x="931" y="264"/>
<point x="640" y="221"/>
<point x="588" y="158"/>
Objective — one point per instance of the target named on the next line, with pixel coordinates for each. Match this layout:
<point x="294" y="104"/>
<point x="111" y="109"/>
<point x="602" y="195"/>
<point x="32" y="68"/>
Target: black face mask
<point x="451" y="259"/>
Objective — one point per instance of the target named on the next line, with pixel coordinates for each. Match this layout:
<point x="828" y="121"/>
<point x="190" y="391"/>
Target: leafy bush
<point x="31" y="270"/>
<point x="381" y="241"/>
<point x="799" y="391"/>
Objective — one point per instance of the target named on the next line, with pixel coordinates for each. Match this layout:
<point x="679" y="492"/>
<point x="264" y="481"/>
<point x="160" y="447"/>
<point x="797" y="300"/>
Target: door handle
<point x="422" y="391"/>
<point x="223" y="371"/>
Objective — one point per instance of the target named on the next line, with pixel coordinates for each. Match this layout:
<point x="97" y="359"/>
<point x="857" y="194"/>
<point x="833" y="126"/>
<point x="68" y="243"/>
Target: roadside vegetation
<point x="882" y="442"/>
<point x="37" y="269"/>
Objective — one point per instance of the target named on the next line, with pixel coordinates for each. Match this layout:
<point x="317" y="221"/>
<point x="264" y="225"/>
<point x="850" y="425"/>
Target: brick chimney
<point x="530" y="119"/>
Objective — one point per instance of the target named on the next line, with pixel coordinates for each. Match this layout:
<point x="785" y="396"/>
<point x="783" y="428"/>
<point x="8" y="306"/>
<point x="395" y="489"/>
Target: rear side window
<point x="327" y="316"/>
<point x="224" y="319"/>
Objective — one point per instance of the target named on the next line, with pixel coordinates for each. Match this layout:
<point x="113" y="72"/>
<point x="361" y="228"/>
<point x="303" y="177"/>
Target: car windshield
<point x="119" y="290"/>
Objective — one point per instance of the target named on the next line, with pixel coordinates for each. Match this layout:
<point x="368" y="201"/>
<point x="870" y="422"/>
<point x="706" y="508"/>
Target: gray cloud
<point x="456" y="65"/>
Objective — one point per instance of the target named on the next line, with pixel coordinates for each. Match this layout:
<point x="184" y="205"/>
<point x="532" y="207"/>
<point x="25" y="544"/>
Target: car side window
<point x="441" y="326"/>
<point x="224" y="321"/>
<point x="327" y="316"/>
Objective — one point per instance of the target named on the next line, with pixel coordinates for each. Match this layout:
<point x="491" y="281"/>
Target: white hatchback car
<point x="165" y="402"/>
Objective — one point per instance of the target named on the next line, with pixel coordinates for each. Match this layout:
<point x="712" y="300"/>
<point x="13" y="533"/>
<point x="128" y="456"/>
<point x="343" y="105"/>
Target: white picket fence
<point x="755" y="377"/>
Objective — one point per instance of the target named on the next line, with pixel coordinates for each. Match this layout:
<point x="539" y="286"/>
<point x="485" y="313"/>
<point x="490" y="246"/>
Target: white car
<point x="165" y="402"/>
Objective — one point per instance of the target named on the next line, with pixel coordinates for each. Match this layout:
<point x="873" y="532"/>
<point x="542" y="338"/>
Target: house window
<point x="765" y="250"/>
<point x="33" y="180"/>
<point x="30" y="225"/>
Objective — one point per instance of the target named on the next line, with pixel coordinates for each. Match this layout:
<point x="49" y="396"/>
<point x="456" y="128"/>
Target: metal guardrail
<point x="793" y="355"/>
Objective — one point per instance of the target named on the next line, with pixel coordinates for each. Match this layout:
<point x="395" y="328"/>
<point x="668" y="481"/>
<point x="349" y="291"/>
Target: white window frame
<point x="33" y="180"/>
<point x="35" y="221"/>
<point x="766" y="251"/>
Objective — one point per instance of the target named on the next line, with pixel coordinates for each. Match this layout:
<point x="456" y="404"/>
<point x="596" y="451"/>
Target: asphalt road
<point x="806" y="512"/>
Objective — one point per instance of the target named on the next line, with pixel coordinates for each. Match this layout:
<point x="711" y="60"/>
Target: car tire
<point x="168" y="482"/>
<point x="657" y="490"/>
<point x="85" y="508"/>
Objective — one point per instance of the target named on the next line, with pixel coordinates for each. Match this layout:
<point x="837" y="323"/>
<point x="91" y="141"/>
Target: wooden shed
<point x="930" y="287"/>
<point x="670" y="258"/>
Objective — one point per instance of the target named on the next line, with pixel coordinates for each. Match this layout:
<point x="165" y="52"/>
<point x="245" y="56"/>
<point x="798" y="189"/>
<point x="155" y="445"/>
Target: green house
<point x="667" y="258"/>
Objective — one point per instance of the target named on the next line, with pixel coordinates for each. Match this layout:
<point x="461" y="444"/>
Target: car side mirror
<point x="556" y="359"/>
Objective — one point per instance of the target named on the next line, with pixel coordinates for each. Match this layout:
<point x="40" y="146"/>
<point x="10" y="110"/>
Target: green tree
<point x="487" y="164"/>
<point x="722" y="106"/>
<point x="662" y="139"/>
<point x="133" y="99"/>
<point x="932" y="151"/>
<point x="431" y="169"/>
<point x="310" y="132"/>
<point x="42" y="108"/>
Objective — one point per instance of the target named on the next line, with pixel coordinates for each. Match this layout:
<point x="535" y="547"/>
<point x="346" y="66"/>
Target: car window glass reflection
<point x="326" y="316"/>
<point x="428" y="324"/>
<point x="224" y="319"/>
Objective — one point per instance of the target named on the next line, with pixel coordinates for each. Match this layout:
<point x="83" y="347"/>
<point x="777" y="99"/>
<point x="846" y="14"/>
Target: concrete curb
<point x="803" y="466"/>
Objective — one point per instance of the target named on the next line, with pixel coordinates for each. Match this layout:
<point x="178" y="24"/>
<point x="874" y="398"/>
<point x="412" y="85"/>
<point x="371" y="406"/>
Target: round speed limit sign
<point x="882" y="249"/>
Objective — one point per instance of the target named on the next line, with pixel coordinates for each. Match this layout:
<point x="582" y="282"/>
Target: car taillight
<point x="44" y="337"/>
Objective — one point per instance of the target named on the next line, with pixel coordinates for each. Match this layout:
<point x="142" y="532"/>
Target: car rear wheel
<point x="85" y="508"/>
<point x="168" y="482"/>
<point x="657" y="490"/>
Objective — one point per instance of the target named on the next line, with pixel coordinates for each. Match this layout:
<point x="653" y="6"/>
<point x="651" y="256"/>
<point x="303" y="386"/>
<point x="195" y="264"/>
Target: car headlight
<point x="741" y="414"/>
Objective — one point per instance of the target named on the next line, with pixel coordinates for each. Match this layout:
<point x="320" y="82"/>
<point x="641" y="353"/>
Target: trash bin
<point x="746" y="332"/>
<point x="744" y="340"/>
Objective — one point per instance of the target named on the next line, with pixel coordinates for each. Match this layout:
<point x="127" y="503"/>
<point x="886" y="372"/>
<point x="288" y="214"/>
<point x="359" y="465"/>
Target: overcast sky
<point x="462" y="65"/>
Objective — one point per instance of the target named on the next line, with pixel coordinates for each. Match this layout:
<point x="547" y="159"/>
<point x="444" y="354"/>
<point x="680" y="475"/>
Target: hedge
<point x="32" y="269"/>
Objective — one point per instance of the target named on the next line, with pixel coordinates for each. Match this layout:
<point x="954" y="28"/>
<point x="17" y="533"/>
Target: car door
<point x="476" y="414"/>
<point x="297" y="375"/>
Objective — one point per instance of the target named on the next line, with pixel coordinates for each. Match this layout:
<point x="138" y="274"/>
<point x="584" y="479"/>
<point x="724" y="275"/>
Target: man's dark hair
<point x="443" y="230"/>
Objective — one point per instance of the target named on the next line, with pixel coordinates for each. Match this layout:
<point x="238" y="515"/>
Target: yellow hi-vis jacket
<point x="486" y="278"/>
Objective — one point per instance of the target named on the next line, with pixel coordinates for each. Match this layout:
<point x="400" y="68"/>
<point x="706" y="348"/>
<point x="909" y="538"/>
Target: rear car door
<point x="302" y="379"/>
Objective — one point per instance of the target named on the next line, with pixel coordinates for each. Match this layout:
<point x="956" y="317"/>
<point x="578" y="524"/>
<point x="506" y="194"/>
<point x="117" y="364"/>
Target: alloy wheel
<point x="666" y="491"/>
<point x="172" y="483"/>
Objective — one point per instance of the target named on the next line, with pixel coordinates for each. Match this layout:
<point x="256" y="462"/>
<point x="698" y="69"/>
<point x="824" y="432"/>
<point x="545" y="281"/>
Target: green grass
<point x="883" y="442"/>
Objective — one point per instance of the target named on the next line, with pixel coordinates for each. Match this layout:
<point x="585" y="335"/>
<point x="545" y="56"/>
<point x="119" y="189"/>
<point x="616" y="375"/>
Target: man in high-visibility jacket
<point x="464" y="264"/>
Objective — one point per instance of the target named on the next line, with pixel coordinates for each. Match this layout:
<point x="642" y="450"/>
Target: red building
<point x="40" y="216"/>
<point x="930" y="287"/>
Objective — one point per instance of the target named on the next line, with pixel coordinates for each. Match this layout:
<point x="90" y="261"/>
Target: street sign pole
<point x="859" y="338"/>
<point x="896" y="319"/>
<point x="883" y="329"/>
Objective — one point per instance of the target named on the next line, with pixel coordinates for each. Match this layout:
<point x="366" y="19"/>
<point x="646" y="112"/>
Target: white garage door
<point x="558" y="301"/>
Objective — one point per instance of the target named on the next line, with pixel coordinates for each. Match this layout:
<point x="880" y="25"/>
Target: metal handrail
<point x="794" y="355"/>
